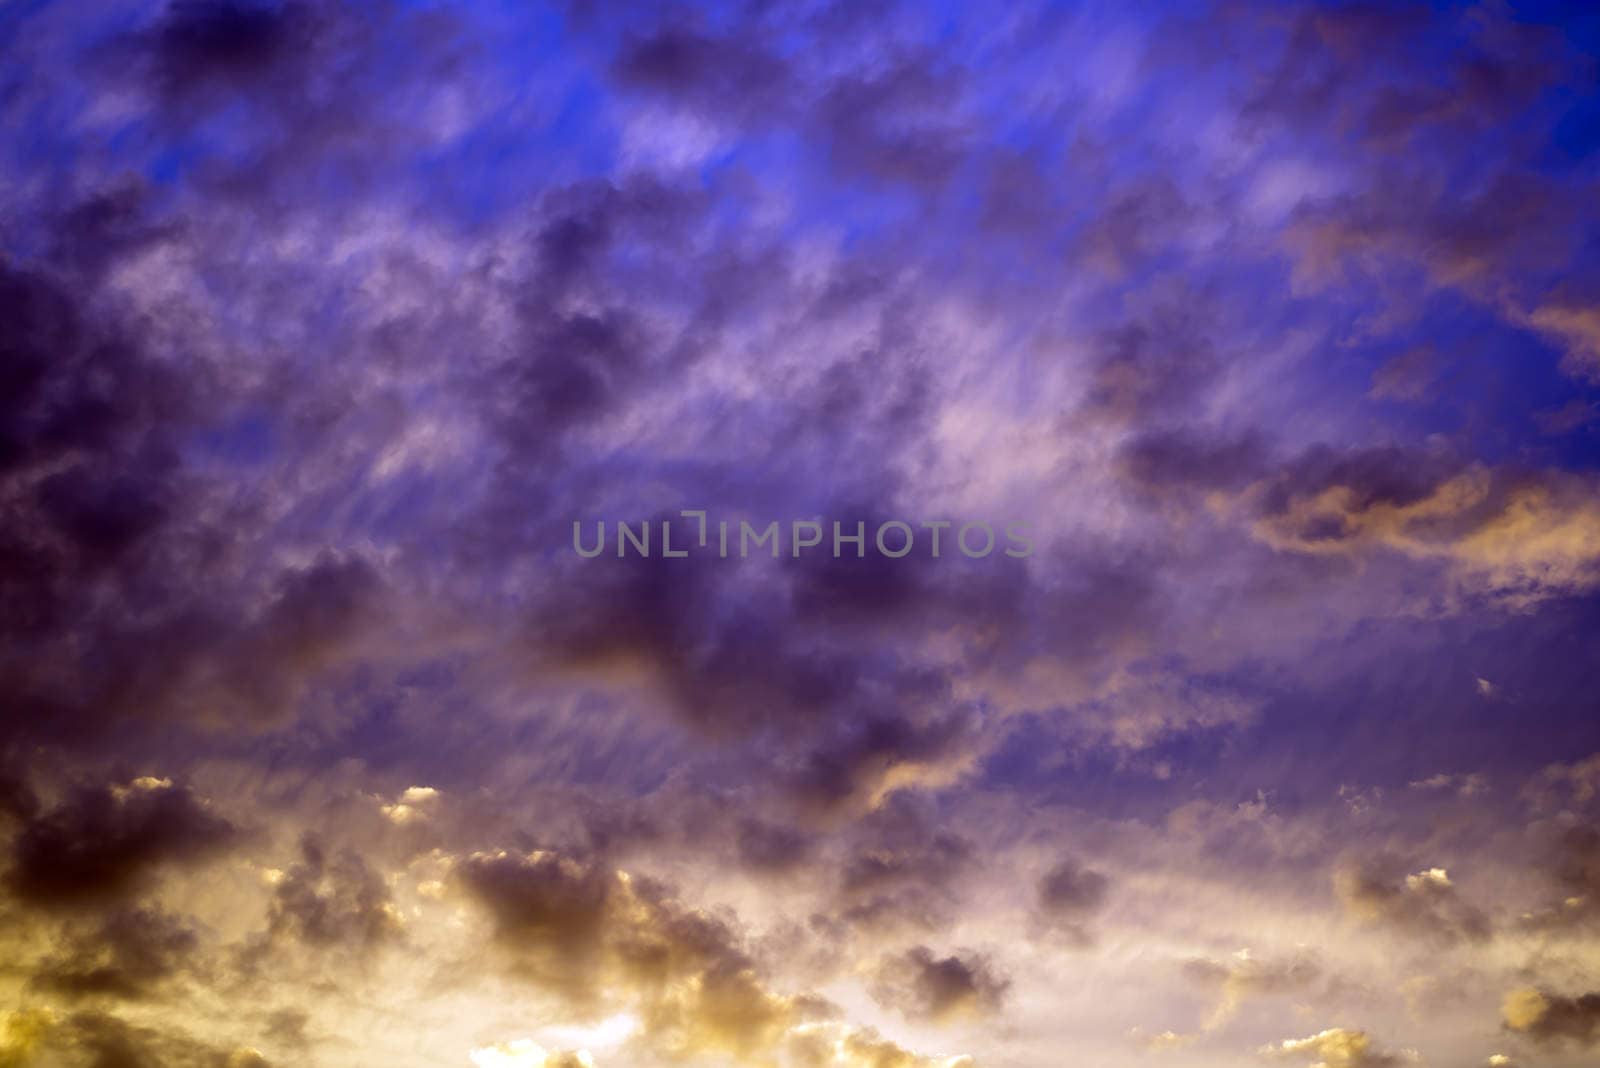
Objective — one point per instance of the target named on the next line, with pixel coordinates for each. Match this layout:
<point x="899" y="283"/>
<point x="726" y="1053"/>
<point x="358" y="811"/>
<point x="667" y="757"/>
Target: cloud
<point x="1551" y="1019"/>
<point x="321" y="329"/>
<point x="412" y="806"/>
<point x="1070" y="895"/>
<point x="1463" y="786"/>
<point x="772" y="848"/>
<point x="924" y="986"/>
<point x="1425" y="904"/>
<point x="600" y="938"/>
<point x="593" y="934"/>
<point x="1576" y="783"/>
<point x="1573" y="320"/>
<point x="1573" y="863"/>
<point x="1338" y="1048"/>
<point x="902" y="870"/>
<point x="1167" y="458"/>
<point x="553" y="909"/>
<point x="307" y="87"/>
<point x="865" y="1048"/>
<point x="1407" y="377"/>
<point x="1366" y="71"/>
<point x="323" y="901"/>
<point x="104" y="844"/>
<point x="87" y="471"/>
<point x="864" y="762"/>
<point x="131" y="954"/>
<point x="526" y="1053"/>
<point x="1378" y="85"/>
<point x="201" y="42"/>
<point x="1244" y="976"/>
<point x="1521" y="537"/>
<point x="1071" y="890"/>
<point x="717" y="73"/>
<point x="1166" y="1041"/>
<point x="1150" y="368"/>
<point x="856" y="725"/>
<point x="119" y="595"/>
<point x="104" y="1040"/>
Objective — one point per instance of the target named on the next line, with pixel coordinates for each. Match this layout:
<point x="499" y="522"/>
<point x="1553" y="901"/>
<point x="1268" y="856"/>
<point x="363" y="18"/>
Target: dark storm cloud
<point x="250" y="662"/>
<point x="1425" y="905"/>
<point x="1070" y="895"/>
<point x="1553" y="1019"/>
<point x="1574" y="865"/>
<point x="18" y="802"/>
<point x="709" y="71"/>
<point x="735" y="663"/>
<point x="832" y="665"/>
<point x="925" y="986"/>
<point x="847" y="408"/>
<point x="336" y="900"/>
<point x="586" y="931"/>
<point x="271" y="50"/>
<point x="857" y="762"/>
<point x="104" y="844"/>
<point x="575" y="368"/>
<point x="77" y="394"/>
<point x="867" y="591"/>
<point x="1192" y="459"/>
<point x="105" y="1041"/>
<point x="201" y="42"/>
<point x="892" y="257"/>
<point x="107" y="226"/>
<point x="308" y="88"/>
<point x="313" y="616"/>
<point x="130" y="954"/>
<point x="115" y="593"/>
<point x="588" y="355"/>
<point x="853" y="710"/>
<point x="582" y="226"/>
<point x="913" y="859"/>
<point x="1368" y="478"/>
<point x="730" y="670"/>
<point x="553" y="907"/>
<point x="166" y="650"/>
<point x="586" y="352"/>
<point x="1069" y="889"/>
<point x="902" y="870"/>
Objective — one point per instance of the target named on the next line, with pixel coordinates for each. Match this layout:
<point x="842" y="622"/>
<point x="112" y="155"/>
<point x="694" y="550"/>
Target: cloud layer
<point x="1272" y="330"/>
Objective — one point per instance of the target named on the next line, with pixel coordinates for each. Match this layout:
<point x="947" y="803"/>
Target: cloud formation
<point x="319" y="330"/>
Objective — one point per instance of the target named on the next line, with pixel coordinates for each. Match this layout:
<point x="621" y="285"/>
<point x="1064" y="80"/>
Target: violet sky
<point x="1277" y="325"/>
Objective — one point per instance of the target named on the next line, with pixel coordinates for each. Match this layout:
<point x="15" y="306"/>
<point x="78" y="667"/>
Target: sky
<point x="1263" y="338"/>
